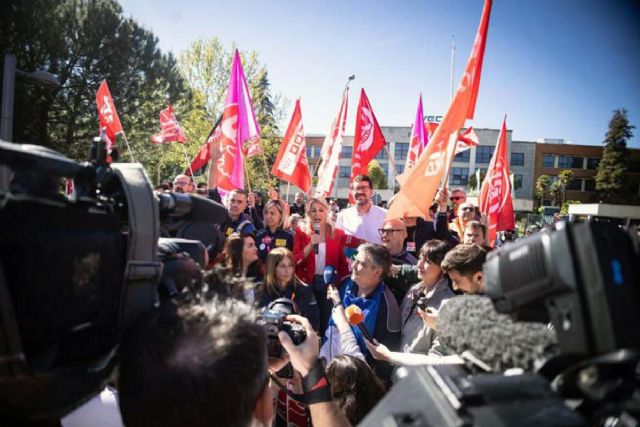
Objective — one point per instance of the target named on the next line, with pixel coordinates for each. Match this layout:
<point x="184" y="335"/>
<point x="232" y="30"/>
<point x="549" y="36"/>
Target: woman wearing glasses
<point x="273" y="235"/>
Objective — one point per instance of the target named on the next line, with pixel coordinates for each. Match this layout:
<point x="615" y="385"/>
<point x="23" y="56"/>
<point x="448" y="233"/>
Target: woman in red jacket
<point x="317" y="245"/>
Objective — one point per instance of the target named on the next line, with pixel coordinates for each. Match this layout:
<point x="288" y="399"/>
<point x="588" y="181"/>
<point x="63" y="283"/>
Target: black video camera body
<point x="75" y="272"/>
<point x="273" y="320"/>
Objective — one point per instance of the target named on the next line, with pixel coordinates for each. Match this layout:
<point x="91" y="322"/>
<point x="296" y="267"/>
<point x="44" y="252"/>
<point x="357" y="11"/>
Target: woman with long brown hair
<point x="280" y="281"/>
<point x="241" y="256"/>
<point x="317" y="245"/>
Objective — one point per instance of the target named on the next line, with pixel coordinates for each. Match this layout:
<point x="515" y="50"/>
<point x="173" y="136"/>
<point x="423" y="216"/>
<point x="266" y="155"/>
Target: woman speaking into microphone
<point x="317" y="245"/>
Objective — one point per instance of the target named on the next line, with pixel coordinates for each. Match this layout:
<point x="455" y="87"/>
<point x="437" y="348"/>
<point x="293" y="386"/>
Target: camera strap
<point x="315" y="386"/>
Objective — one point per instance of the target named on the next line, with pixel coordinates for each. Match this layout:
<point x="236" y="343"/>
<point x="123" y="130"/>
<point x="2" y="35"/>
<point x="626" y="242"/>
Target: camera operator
<point x="204" y="362"/>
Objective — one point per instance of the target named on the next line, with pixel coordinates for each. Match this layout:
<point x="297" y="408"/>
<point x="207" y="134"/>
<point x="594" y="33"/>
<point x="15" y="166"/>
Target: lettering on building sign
<point x="434" y="119"/>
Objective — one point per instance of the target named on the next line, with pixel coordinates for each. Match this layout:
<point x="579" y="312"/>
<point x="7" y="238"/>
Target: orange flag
<point x="420" y="183"/>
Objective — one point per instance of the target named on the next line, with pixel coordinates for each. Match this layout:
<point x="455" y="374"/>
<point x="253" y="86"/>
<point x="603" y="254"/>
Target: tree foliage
<point x="543" y="185"/>
<point x="377" y="175"/>
<point x="83" y="42"/>
<point x="205" y="65"/>
<point x="559" y="187"/>
<point x="611" y="176"/>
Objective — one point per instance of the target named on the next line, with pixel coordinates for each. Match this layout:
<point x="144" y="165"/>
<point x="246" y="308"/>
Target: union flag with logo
<point x="291" y="164"/>
<point x="495" y="200"/>
<point x="368" y="139"/>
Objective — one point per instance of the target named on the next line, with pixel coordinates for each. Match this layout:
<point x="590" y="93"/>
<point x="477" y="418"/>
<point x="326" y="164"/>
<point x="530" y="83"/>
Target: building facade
<point x="527" y="159"/>
<point x="552" y="158"/>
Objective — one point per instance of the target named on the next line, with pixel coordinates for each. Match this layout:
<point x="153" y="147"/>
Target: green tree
<point x="559" y="187"/>
<point x="611" y="176"/>
<point x="543" y="184"/>
<point x="377" y="175"/>
<point x="84" y="42"/>
<point x="205" y="65"/>
<point x="473" y="182"/>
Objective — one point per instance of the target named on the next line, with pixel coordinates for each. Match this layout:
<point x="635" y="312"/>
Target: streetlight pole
<point x="41" y="78"/>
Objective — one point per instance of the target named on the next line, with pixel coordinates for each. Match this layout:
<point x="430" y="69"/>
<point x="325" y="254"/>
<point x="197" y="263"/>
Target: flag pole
<point x="246" y="177"/>
<point x="128" y="147"/>
<point x="186" y="157"/>
<point x="453" y="61"/>
<point x="351" y="77"/>
<point x="393" y="163"/>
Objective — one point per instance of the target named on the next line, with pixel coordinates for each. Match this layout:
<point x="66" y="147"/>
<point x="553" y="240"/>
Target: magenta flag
<point x="238" y="125"/>
<point x="419" y="138"/>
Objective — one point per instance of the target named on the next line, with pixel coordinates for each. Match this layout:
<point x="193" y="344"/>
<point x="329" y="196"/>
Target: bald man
<point x="393" y="234"/>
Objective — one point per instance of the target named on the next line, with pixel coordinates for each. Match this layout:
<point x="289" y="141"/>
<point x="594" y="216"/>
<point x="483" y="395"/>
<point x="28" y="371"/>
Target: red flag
<point x="200" y="162"/>
<point x="171" y="130"/>
<point x="466" y="140"/>
<point x="107" y="112"/>
<point x="331" y="149"/>
<point x="368" y="139"/>
<point x="431" y="128"/>
<point x="420" y="183"/>
<point x="495" y="200"/>
<point x="291" y="164"/>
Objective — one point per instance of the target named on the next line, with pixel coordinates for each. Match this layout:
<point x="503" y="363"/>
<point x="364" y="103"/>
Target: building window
<point x="517" y="181"/>
<point x="344" y="172"/>
<point x="400" y="168"/>
<point x="347" y="152"/>
<point x="382" y="155"/>
<point x="549" y="161"/>
<point x="569" y="162"/>
<point x="634" y="166"/>
<point x="313" y="151"/>
<point x="517" y="159"/>
<point x="564" y="162"/>
<point x="484" y="153"/>
<point x="589" y="185"/>
<point x="463" y="157"/>
<point x="459" y="176"/>
<point x="593" y="164"/>
<point x="385" y="168"/>
<point x="401" y="150"/>
<point x="575" y="184"/>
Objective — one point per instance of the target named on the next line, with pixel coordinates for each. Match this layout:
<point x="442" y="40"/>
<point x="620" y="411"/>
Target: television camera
<point x="76" y="272"/>
<point x="582" y="278"/>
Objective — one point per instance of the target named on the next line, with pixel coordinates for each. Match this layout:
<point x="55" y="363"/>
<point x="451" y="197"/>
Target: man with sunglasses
<point x="393" y="235"/>
<point x="457" y="198"/>
<point x="364" y="219"/>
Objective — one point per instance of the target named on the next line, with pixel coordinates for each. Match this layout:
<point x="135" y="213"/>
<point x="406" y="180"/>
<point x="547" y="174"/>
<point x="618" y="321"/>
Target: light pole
<point x="41" y="78"/>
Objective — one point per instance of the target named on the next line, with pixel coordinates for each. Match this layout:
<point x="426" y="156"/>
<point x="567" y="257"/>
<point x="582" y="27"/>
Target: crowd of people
<point x="201" y="357"/>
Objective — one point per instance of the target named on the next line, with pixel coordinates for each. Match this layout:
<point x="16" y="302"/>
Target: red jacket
<point x="335" y="257"/>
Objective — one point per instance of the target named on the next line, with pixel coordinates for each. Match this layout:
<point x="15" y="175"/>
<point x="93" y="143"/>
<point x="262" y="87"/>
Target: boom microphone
<point x="471" y="323"/>
<point x="355" y="317"/>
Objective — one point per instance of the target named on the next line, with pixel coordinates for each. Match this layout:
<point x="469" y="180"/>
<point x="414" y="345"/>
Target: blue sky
<point x="558" y="68"/>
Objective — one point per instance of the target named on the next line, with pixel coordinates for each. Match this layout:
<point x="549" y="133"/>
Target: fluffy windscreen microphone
<point x="471" y="323"/>
<point x="355" y="317"/>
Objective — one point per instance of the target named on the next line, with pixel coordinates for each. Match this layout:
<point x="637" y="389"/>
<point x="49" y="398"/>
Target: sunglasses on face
<point x="468" y="209"/>
<point x="455" y="198"/>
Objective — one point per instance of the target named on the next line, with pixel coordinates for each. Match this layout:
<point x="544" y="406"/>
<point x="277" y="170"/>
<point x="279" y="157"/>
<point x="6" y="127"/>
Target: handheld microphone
<point x="329" y="275"/>
<point x="355" y="317"/>
<point x="316" y="231"/>
<point x="471" y="323"/>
